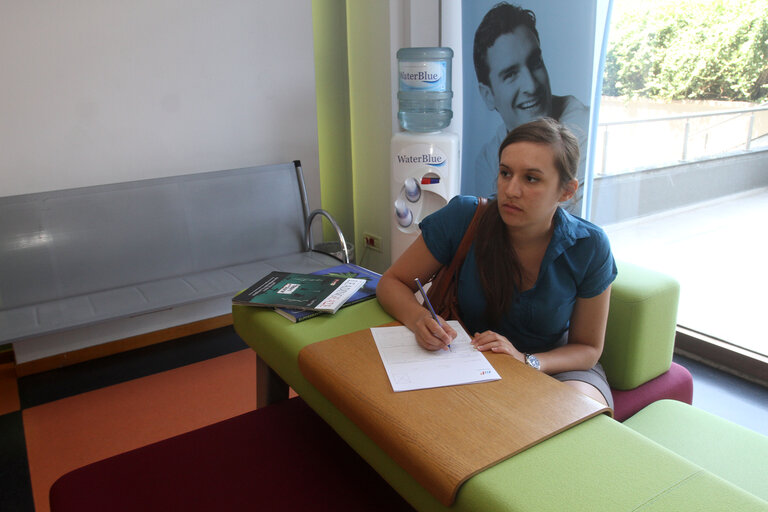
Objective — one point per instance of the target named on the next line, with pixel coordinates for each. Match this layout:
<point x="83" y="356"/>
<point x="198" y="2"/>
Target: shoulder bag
<point x="443" y="292"/>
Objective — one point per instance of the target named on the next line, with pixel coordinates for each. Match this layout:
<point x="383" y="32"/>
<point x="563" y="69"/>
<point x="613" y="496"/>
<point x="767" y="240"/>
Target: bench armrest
<point x="339" y="234"/>
<point x="640" y="335"/>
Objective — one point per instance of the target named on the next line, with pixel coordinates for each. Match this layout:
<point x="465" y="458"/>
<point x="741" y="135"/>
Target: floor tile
<point x="9" y="389"/>
<point x="69" y="433"/>
<point x="15" y="487"/>
<point x="79" y="378"/>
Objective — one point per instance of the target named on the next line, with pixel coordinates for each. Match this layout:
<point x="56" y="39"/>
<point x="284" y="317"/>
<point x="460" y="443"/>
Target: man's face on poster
<point x="519" y="84"/>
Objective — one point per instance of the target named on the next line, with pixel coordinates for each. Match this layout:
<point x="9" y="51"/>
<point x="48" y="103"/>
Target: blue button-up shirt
<point x="578" y="263"/>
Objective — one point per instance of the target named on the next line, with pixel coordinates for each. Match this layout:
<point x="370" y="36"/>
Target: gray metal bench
<point x="84" y="266"/>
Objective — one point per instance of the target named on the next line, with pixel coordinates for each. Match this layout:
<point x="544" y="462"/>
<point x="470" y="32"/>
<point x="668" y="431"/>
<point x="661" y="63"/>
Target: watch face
<point x="532" y="361"/>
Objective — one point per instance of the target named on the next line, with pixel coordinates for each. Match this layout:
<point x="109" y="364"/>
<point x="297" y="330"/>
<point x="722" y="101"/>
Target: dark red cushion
<point x="675" y="384"/>
<point x="281" y="457"/>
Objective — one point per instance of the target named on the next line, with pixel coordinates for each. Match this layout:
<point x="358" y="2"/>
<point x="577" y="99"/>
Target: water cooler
<point x="424" y="159"/>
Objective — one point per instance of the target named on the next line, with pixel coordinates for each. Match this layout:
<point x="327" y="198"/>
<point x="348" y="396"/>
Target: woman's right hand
<point x="397" y="291"/>
<point x="432" y="335"/>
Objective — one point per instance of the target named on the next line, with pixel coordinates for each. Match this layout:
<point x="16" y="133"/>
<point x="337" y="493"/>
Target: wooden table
<point x="442" y="436"/>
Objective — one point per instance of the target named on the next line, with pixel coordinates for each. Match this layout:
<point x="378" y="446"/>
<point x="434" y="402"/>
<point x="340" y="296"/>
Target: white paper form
<point x="411" y="367"/>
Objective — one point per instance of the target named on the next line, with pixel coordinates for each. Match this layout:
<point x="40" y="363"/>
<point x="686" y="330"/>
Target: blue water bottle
<point x="425" y="94"/>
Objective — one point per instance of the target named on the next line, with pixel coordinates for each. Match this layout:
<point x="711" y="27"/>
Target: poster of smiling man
<point x="523" y="61"/>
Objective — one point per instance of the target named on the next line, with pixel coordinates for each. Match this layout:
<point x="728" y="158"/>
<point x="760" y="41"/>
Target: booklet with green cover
<point x="299" y="291"/>
<point x="368" y="291"/>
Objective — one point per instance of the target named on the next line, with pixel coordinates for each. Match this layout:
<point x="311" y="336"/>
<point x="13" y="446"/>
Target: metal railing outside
<point x="632" y="145"/>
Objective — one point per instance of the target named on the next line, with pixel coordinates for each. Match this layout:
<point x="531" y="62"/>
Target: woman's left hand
<point x="495" y="342"/>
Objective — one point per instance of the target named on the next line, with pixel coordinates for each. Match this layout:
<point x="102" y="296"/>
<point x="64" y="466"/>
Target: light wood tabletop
<point x="443" y="436"/>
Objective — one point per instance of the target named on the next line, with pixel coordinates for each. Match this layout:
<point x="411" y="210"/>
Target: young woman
<point x="536" y="281"/>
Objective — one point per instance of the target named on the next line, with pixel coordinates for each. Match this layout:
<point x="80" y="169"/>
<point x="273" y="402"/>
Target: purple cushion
<point x="675" y="384"/>
<point x="281" y="457"/>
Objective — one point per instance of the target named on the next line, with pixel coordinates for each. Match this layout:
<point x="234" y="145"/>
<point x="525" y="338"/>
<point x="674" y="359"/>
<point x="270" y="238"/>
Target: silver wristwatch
<point x="532" y="361"/>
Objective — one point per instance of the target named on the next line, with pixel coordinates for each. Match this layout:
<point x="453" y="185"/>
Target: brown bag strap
<point x="440" y="287"/>
<point x="469" y="236"/>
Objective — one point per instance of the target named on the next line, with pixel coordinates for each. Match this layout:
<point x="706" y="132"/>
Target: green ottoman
<point x="640" y="334"/>
<point x="732" y="452"/>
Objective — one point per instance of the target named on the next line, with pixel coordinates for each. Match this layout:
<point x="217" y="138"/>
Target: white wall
<point x="102" y="91"/>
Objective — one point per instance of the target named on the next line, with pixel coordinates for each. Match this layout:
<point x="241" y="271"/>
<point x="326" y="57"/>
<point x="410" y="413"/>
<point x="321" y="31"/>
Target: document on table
<point x="411" y="367"/>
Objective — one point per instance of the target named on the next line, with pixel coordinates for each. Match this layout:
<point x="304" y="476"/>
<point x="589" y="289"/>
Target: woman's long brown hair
<point x="497" y="263"/>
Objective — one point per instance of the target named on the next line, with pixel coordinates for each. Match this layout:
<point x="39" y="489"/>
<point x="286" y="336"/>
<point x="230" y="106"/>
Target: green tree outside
<point x="688" y="50"/>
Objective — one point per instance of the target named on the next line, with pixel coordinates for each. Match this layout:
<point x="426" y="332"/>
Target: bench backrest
<point x="71" y="242"/>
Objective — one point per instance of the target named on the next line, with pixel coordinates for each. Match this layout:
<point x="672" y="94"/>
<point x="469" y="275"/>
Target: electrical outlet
<point x="372" y="241"/>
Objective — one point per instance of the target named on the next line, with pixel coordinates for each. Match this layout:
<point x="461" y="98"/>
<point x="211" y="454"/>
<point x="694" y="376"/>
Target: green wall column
<point x="332" y="85"/>
<point x="370" y="108"/>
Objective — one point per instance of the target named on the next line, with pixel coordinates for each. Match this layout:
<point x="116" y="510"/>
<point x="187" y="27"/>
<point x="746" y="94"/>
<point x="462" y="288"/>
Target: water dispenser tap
<point x="403" y="213"/>
<point x="412" y="190"/>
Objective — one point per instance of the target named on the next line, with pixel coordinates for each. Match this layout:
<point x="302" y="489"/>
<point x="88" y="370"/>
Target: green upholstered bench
<point x="601" y="465"/>
<point x="730" y="451"/>
<point x="598" y="465"/>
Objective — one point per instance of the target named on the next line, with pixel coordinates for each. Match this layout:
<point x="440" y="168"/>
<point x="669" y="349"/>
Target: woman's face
<point x="529" y="187"/>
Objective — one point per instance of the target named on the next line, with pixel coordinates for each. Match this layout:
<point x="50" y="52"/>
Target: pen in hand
<point x="429" y="305"/>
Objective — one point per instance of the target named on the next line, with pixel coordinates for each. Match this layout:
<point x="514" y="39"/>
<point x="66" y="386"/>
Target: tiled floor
<point x="70" y="417"/>
<point x="717" y="250"/>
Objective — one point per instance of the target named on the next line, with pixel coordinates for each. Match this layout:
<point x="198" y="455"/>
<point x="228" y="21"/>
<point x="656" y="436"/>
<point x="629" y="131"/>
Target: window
<point x="681" y="157"/>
